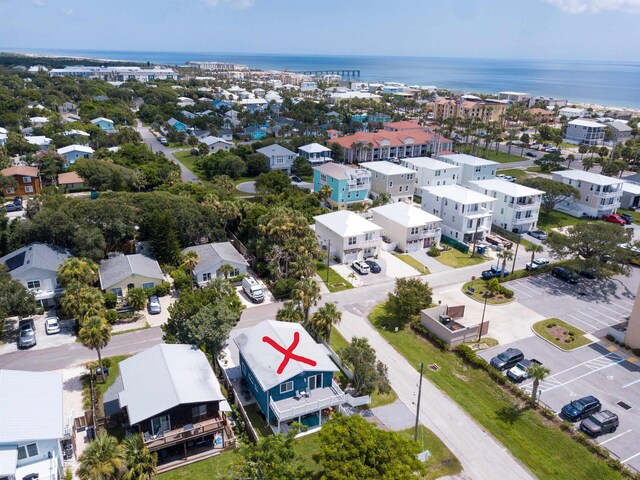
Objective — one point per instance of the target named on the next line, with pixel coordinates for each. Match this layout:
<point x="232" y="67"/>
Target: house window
<point x="352" y="240"/>
<point x="323" y="178"/>
<point x="286" y="387"/>
<point x="206" y="277"/>
<point x="10" y="190"/>
<point x="117" y="291"/>
<point x="390" y="184"/>
<point x="415" y="230"/>
<point x="148" y="285"/>
<point x="160" y="424"/>
<point x="27" y="451"/>
<point x="314" y="381"/>
<point x="28" y="189"/>
<point x="26" y="179"/>
<point x="199" y="411"/>
<point x="33" y="284"/>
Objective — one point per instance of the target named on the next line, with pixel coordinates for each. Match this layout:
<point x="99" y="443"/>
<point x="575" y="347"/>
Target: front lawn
<point x="557" y="220"/>
<point x="479" y="286"/>
<point x="214" y="467"/>
<point x="113" y="365"/>
<point x="456" y="259"/>
<point x="336" y="283"/>
<point x="442" y="462"/>
<point x="633" y="213"/>
<point x="516" y="173"/>
<point x="188" y="161"/>
<point x="561" y="334"/>
<point x="538" y="443"/>
<point x="412" y="262"/>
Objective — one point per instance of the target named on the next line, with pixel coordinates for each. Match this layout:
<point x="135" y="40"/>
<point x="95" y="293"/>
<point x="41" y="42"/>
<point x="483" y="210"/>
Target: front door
<point x="160" y="424"/>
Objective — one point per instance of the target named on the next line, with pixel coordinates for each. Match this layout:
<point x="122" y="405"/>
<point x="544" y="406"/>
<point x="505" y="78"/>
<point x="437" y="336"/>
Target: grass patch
<point x="561" y="334"/>
<point x="258" y="422"/>
<point x="146" y="326"/>
<point x="306" y="446"/>
<point x="380" y="399"/>
<point x="540" y="444"/>
<point x="336" y="283"/>
<point x="215" y="467"/>
<point x="113" y="364"/>
<point x="485" y="343"/>
<point x="515" y="173"/>
<point x="188" y="161"/>
<point x="500" y="157"/>
<point x="633" y="213"/>
<point x="337" y="342"/>
<point x="412" y="262"/>
<point x="442" y="462"/>
<point x="456" y="259"/>
<point x="480" y="287"/>
<point x="557" y="220"/>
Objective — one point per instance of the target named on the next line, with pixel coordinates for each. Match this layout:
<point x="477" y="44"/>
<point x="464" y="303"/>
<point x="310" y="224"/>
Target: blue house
<point x="104" y="124"/>
<point x="288" y="373"/>
<point x="217" y="104"/>
<point x="255" y="133"/>
<point x="74" y="152"/>
<point x="178" y="125"/>
<point x="348" y="185"/>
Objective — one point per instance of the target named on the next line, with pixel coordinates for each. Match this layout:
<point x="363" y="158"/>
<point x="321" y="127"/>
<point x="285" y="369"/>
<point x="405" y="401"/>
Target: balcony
<point x="478" y="213"/>
<point x="183" y="434"/>
<point x="316" y="400"/>
<point x="358" y="185"/>
<point x="606" y="193"/>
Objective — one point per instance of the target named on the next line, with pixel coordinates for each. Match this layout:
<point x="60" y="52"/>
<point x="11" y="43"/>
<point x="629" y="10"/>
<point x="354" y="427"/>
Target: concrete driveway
<point x="396" y="268"/>
<point x="43" y="340"/>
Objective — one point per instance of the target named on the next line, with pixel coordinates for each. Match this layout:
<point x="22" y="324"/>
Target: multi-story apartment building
<point x="430" y="171"/>
<point x="348" y="236"/>
<point x="584" y="132"/>
<point x="397" y="181"/>
<point x="348" y="185"/>
<point x="116" y="74"/>
<point x="408" y="226"/>
<point x="485" y="111"/>
<point x="516" y="207"/>
<point x="599" y="195"/>
<point x="466" y="214"/>
<point x="471" y="168"/>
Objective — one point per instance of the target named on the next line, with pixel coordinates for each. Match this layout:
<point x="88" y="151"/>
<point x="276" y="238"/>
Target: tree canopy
<point x="409" y="297"/>
<point x="555" y="192"/>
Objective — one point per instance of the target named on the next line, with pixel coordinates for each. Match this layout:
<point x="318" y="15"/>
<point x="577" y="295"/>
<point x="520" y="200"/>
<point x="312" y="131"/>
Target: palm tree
<point x="307" y="293"/>
<point x="95" y="334"/>
<point x="587" y="164"/>
<point x="534" y="248"/>
<point x="140" y="462"/>
<point x="505" y="255"/>
<point x="137" y="298"/>
<point x="190" y="262"/>
<point x="324" y="319"/>
<point x="325" y="192"/>
<point x="81" y="301"/>
<point x="226" y="270"/>
<point x="538" y="372"/>
<point x="78" y="270"/>
<point x="290" y="312"/>
<point x="102" y="459"/>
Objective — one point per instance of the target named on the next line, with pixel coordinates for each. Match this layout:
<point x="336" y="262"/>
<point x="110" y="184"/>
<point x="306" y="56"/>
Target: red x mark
<point x="288" y="352"/>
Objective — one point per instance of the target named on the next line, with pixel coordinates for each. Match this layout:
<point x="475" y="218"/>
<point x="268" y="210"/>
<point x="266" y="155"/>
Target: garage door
<point x="413" y="246"/>
<point x="350" y="257"/>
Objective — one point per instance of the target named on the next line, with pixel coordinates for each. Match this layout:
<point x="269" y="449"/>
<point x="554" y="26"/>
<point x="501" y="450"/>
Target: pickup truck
<point x="536" y="264"/>
<point x="494" y="272"/>
<point x="519" y="372"/>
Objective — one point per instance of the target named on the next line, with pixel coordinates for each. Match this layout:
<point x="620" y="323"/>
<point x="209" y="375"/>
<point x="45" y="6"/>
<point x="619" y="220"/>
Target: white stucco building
<point x="471" y="168"/>
<point x="408" y="226"/>
<point x="348" y="236"/>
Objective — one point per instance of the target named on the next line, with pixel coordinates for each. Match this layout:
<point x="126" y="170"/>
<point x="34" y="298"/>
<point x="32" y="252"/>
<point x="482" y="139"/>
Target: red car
<point x="614" y="218"/>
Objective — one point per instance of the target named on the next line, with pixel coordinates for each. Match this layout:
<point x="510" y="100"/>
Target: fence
<point x="514" y="237"/>
<point x="463" y="247"/>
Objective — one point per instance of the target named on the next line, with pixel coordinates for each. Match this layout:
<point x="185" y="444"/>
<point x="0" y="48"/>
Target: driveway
<point x="432" y="264"/>
<point x="43" y="340"/>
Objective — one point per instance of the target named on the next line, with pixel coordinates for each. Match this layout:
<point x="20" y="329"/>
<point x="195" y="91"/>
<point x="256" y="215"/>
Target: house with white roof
<point x="599" y="195"/>
<point x="571" y="112"/>
<point x="288" y="388"/>
<point x="74" y="152"/>
<point x="471" y="168"/>
<point x="105" y="124"/>
<point x="395" y="180"/>
<point x="179" y="409"/>
<point x="211" y="256"/>
<point x="584" y="132"/>
<point x="32" y="425"/>
<point x="516" y="207"/>
<point x="38" y="121"/>
<point x="216" y="144"/>
<point x="466" y="214"/>
<point x="76" y="134"/>
<point x="315" y="153"/>
<point x="40" y="140"/>
<point x="430" y="171"/>
<point x="630" y="195"/>
<point x="408" y="226"/>
<point x="348" y="236"/>
<point x="280" y="158"/>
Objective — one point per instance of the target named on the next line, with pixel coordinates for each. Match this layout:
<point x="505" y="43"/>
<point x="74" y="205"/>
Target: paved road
<point x="247" y="187"/>
<point x="153" y="143"/>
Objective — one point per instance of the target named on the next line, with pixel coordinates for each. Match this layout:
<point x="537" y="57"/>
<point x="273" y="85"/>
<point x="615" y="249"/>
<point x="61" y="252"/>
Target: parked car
<point x="374" y="267"/>
<point x="163" y="141"/>
<point x="154" y="305"/>
<point x="565" y="274"/>
<point x="581" y="408"/>
<point x="361" y="267"/>
<point x="531" y="154"/>
<point x="626" y="217"/>
<point x="507" y="359"/>
<point x="539" y="234"/>
<point x="600" y="423"/>
<point x="518" y="373"/>
<point x="13" y="207"/>
<point x="26" y="333"/>
<point x="614" y="218"/>
<point x="494" y="272"/>
<point x="536" y="264"/>
<point x="52" y="326"/>
<point x="253" y="289"/>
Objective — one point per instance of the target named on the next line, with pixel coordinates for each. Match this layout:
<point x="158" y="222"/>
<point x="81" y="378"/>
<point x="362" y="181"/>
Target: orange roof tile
<point x="20" y="170"/>
<point x="395" y="139"/>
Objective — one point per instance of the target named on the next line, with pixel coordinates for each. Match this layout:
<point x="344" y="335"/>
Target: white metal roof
<point x="465" y="159"/>
<point x="429" y="163"/>
<point x="507" y="188"/>
<point x="264" y="360"/>
<point x="386" y="168"/>
<point x="632" y="188"/>
<point x="585" y="123"/>
<point x="8" y="460"/>
<point x="589" y="177"/>
<point x="458" y="194"/>
<point x="30" y="406"/>
<point x="405" y="214"/>
<point x="75" y="148"/>
<point x="346" y="224"/>
<point x="101" y="119"/>
<point x="314" y="148"/>
<point x="165" y="376"/>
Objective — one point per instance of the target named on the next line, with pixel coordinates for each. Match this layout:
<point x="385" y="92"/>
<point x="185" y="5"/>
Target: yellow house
<point x="123" y="272"/>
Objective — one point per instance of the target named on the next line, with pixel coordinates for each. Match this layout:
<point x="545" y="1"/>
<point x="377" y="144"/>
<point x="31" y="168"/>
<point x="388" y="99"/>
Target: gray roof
<point x="181" y="374"/>
<point x="264" y="360"/>
<point x="212" y="254"/>
<point x="30" y="406"/>
<point x="113" y="270"/>
<point x="620" y="126"/>
<point x="35" y="255"/>
<point x="275" y="150"/>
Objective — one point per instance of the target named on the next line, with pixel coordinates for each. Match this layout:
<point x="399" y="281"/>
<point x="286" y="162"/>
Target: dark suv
<point x="581" y="408"/>
<point x="600" y="423"/>
<point x="565" y="274"/>
<point x="507" y="359"/>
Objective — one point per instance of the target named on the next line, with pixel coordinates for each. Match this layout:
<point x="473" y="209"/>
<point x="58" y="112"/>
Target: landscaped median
<point x="479" y="290"/>
<point x="561" y="334"/>
<point x="533" y="436"/>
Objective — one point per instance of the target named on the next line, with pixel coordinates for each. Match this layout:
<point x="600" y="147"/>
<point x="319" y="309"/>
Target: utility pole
<point x="415" y="433"/>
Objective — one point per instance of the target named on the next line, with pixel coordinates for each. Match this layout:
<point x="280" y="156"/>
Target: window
<point x="206" y="277"/>
<point x="33" y="284"/>
<point x="323" y="178"/>
<point x="160" y="424"/>
<point x="28" y="189"/>
<point x="199" y="411"/>
<point x="352" y="240"/>
<point x="390" y="184"/>
<point x="11" y="190"/>
<point x="117" y="291"/>
<point x="148" y="285"/>
<point x="286" y="387"/>
<point x="26" y="179"/>
<point x="414" y="230"/>
<point x="27" y="451"/>
<point x="314" y="381"/>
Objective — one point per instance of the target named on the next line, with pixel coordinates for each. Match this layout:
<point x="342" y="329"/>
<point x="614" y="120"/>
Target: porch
<point x="185" y="433"/>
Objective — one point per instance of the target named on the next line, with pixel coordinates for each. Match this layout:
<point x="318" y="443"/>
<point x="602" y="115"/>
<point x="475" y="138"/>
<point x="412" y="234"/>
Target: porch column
<point x="185" y="450"/>
<point x="320" y="417"/>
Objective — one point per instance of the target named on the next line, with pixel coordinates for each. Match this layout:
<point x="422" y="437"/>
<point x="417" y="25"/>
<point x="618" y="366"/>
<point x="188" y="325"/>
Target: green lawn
<point x="516" y="173"/>
<point x="572" y="337"/>
<point x="480" y="287"/>
<point x="305" y="447"/>
<point x="442" y="462"/>
<point x="456" y="259"/>
<point x="215" y="467"/>
<point x="539" y="444"/>
<point x="336" y="283"/>
<point x="412" y="262"/>
<point x="146" y="326"/>
<point x="633" y="213"/>
<point x="188" y="161"/>
<point x="500" y="157"/>
<point x="259" y="424"/>
<point x="557" y="220"/>
<point x="337" y="342"/>
<point x="113" y="364"/>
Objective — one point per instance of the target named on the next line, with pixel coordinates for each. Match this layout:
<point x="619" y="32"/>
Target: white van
<point x="253" y="289"/>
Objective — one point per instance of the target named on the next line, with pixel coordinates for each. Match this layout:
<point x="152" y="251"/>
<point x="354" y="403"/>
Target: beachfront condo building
<point x="599" y="195"/>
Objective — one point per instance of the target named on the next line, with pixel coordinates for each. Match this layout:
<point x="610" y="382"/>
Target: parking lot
<point x="591" y="305"/>
<point x="10" y="335"/>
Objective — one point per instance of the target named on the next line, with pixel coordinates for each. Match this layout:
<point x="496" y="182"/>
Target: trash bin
<point x="481" y="250"/>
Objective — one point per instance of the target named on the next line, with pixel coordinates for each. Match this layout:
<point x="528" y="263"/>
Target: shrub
<point x="283" y="287"/>
<point x="181" y="279"/>
<point x="111" y="316"/>
<point x="609" y="337"/>
<point x="163" y="289"/>
<point x="506" y="292"/>
<point x="110" y="300"/>
<point x="238" y="278"/>
<point x="434" y="251"/>
<point x="636" y="351"/>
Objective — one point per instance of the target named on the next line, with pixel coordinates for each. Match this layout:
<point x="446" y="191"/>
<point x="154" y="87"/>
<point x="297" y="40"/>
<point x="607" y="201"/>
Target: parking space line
<point x="613" y="438"/>
<point x="631" y="383"/>
<point x="520" y="292"/>
<point x="617" y="313"/>
<point x="537" y="292"/>
<point x="626" y="301"/>
<point x="596" y="319"/>
<point x="611" y="356"/>
<point x="585" y="374"/>
<point x="587" y="324"/>
<point x="630" y="458"/>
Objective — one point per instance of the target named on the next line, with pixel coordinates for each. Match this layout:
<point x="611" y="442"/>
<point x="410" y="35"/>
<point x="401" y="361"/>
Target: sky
<point x="527" y="29"/>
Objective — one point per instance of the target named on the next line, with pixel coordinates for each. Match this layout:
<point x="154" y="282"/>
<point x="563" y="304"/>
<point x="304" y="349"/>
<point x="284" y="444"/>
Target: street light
<point x="486" y="296"/>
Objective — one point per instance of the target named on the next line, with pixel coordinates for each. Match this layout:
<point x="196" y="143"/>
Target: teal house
<point x="104" y="124"/>
<point x="348" y="185"/>
<point x="289" y="374"/>
<point x="255" y="133"/>
<point x="178" y="125"/>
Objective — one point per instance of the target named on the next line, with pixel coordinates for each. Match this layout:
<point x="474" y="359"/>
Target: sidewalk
<point x="481" y="456"/>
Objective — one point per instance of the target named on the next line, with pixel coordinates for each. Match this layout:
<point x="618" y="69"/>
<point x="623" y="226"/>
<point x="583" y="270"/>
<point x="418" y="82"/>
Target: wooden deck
<point x="185" y="433"/>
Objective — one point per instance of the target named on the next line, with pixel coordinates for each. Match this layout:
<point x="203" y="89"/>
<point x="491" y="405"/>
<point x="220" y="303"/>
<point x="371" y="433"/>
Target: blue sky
<point x="540" y="29"/>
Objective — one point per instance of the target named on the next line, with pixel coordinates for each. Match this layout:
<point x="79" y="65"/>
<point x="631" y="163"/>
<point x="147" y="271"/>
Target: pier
<point x="341" y="72"/>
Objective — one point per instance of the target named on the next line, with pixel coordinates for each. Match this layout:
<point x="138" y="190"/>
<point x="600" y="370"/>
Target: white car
<point x="52" y="325"/>
<point x="537" y="263"/>
<point x="519" y="372"/>
<point x="361" y="267"/>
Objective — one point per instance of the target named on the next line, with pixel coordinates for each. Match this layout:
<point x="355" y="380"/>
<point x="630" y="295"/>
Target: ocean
<point x="615" y="84"/>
